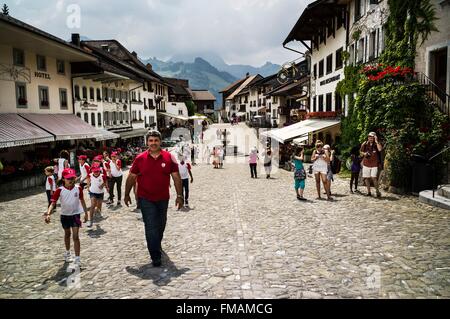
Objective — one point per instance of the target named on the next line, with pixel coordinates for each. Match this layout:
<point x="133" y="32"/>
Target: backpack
<point x="336" y="165"/>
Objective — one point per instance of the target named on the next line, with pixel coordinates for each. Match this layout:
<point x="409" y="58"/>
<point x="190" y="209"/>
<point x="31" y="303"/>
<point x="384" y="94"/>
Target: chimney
<point x="149" y="67"/>
<point x="134" y="54"/>
<point x="76" y="39"/>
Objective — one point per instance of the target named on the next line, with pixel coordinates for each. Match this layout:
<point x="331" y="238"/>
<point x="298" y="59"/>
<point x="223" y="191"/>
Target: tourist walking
<point x="185" y="170"/>
<point x="115" y="165"/>
<point x="72" y="205"/>
<point x="330" y="173"/>
<point x="152" y="170"/>
<point x="253" y="162"/>
<point x="50" y="184"/>
<point x="299" y="173"/>
<point x="371" y="152"/>
<point x="355" y="169"/>
<point x="97" y="182"/>
<point x="84" y="170"/>
<point x="61" y="164"/>
<point x="320" y="160"/>
<point x="220" y="155"/>
<point x="268" y="162"/>
<point x="207" y="154"/>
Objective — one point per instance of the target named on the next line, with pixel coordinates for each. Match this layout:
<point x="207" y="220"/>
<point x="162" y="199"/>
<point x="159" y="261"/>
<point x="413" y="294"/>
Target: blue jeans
<point x="185" y="189"/>
<point x="155" y="219"/>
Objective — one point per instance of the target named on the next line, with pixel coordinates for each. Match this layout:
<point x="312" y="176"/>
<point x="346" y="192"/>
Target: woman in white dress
<point x="321" y="160"/>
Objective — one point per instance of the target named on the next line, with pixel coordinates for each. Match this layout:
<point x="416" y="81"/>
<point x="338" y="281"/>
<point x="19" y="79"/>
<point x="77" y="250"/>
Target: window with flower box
<point x="21" y="95"/>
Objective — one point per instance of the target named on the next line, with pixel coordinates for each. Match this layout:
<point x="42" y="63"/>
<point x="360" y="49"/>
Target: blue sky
<point x="240" y="31"/>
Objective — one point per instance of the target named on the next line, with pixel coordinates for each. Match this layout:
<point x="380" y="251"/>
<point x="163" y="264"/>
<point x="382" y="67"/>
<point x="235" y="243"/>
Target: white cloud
<point x="241" y="31"/>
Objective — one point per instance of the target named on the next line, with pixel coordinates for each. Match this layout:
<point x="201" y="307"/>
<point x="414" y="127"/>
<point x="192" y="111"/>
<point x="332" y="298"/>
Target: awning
<point x="300" y="130"/>
<point x="106" y="135"/>
<point x="63" y="126"/>
<point x="239" y="114"/>
<point x="134" y="133"/>
<point x="17" y="131"/>
<point x="178" y="117"/>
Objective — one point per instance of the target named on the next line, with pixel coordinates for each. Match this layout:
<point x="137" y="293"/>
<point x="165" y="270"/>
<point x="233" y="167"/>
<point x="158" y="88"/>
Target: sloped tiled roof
<point x="202" y="95"/>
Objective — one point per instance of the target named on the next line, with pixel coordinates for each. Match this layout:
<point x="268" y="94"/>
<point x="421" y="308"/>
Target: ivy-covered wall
<point x="388" y="99"/>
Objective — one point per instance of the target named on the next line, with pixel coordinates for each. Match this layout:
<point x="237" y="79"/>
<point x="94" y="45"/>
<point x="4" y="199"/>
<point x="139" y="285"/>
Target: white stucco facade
<point x="33" y="80"/>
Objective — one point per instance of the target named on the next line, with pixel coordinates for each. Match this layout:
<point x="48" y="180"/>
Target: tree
<point x="5" y="9"/>
<point x="191" y="107"/>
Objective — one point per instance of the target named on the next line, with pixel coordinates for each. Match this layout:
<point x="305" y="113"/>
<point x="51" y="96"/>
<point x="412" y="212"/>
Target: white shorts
<point x="369" y="172"/>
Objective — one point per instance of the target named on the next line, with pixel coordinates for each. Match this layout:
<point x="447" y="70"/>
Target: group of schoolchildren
<point x="63" y="185"/>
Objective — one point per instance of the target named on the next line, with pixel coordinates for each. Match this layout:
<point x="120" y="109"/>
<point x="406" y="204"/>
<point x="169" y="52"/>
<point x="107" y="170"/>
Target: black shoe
<point x="156" y="263"/>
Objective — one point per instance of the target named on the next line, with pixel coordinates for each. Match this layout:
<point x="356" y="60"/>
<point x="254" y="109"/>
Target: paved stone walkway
<point x="243" y="238"/>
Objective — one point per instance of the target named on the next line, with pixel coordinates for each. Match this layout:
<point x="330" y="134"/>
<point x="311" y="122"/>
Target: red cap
<point x="113" y="154"/>
<point x="98" y="158"/>
<point x="69" y="173"/>
<point x="82" y="157"/>
<point x="95" y="169"/>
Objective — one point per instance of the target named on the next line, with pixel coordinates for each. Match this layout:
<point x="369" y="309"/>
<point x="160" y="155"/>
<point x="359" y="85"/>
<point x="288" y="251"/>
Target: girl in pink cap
<point x="72" y="206"/>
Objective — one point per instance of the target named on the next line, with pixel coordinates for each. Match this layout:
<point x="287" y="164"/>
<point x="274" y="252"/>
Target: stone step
<point x="445" y="191"/>
<point x="438" y="200"/>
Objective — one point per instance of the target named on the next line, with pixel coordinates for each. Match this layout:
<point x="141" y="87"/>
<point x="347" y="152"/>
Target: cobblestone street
<point x="243" y="238"/>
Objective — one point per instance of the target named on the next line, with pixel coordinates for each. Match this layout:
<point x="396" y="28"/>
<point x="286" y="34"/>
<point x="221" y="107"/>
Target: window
<point x="361" y="51"/>
<point x="151" y="120"/>
<point x="340" y="19"/>
<point x="320" y="103"/>
<point x="21" y="95"/>
<point x="93" y="119"/>
<point x="79" y="115"/>
<point x="329" y="63"/>
<point x="329" y="102"/>
<point x="60" y="67"/>
<point x="44" y="97"/>
<point x="352" y="54"/>
<point x="92" y="94"/>
<point x="139" y="97"/>
<point x="372" y="45"/>
<point x="86" y="117"/>
<point x="113" y="95"/>
<point x="140" y="116"/>
<point x="99" y="119"/>
<point x="77" y="92"/>
<point x="41" y="63"/>
<point x="320" y="69"/>
<point x="63" y="98"/>
<point x="84" y="93"/>
<point x="18" y="57"/>
<point x="338" y="102"/>
<point x="150" y="103"/>
<point x="180" y="112"/>
<point x="315" y="70"/>
<point x="99" y="95"/>
<point x="339" y="61"/>
<point x="358" y="9"/>
<point x="106" y="118"/>
<point x="314" y="104"/>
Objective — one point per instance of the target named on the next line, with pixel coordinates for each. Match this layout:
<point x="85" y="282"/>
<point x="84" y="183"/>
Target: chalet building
<point x="329" y="29"/>
<point x="226" y="92"/>
<point x="117" y="92"/>
<point x="37" y="113"/>
<point x="236" y="97"/>
<point x="177" y="111"/>
<point x="204" y="101"/>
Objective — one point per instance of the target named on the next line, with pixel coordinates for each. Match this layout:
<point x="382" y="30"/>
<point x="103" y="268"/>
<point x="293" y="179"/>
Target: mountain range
<point x="209" y="72"/>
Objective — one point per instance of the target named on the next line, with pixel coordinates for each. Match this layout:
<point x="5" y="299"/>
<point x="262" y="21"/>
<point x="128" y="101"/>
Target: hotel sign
<point x="42" y="75"/>
<point x="332" y="79"/>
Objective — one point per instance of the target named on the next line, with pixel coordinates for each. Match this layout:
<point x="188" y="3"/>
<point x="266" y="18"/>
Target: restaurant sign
<point x="332" y="79"/>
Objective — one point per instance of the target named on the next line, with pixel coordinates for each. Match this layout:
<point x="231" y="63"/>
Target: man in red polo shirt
<point x="152" y="171"/>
